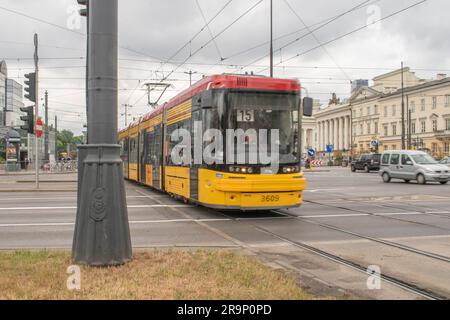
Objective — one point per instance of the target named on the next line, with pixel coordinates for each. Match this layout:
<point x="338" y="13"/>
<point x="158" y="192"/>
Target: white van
<point x="412" y="165"/>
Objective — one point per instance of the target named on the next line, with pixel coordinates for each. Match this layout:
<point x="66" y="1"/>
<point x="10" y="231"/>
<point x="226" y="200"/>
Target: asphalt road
<point x="349" y="221"/>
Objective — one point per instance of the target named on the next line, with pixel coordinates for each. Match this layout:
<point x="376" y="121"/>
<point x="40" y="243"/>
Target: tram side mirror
<point x="207" y="99"/>
<point x="308" y="107"/>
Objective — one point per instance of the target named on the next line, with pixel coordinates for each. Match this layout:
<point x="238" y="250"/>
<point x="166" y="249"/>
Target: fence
<point x="61" y="167"/>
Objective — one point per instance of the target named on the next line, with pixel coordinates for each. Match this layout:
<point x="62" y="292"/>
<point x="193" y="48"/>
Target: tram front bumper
<point x="251" y="192"/>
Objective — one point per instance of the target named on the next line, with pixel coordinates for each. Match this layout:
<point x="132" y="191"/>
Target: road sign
<point x="330" y="148"/>
<point x="374" y="143"/>
<point x="39" y="125"/>
<point x="317" y="163"/>
<point x="311" y="152"/>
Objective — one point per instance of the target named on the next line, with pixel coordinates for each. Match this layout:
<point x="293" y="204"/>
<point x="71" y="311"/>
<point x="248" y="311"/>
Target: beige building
<point x="371" y="121"/>
<point x="334" y="126"/>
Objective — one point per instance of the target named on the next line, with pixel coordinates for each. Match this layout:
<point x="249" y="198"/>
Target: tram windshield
<point x="270" y="111"/>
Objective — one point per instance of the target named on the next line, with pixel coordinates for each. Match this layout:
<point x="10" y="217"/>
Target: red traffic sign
<point x="39" y="127"/>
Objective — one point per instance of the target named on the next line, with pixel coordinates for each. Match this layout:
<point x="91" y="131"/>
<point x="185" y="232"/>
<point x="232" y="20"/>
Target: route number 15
<point x="245" y="115"/>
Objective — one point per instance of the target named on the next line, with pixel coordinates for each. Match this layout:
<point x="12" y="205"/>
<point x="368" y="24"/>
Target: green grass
<point x="153" y="274"/>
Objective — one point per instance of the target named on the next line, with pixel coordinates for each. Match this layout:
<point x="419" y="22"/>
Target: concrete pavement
<point x="404" y="229"/>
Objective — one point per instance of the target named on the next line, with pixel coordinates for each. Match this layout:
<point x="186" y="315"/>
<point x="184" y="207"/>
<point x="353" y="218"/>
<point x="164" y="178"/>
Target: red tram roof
<point x="225" y="81"/>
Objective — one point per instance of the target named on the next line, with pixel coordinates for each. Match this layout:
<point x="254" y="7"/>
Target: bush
<point x="2" y="160"/>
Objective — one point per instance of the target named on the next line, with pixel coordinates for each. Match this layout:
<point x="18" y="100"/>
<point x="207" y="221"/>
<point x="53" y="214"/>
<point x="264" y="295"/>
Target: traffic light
<point x="30" y="86"/>
<point x="84" y="11"/>
<point x="28" y="119"/>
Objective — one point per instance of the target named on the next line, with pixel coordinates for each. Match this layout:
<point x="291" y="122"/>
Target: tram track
<point x="377" y="240"/>
<point x="392" y="280"/>
<point x="358" y="267"/>
<point x="379" y="215"/>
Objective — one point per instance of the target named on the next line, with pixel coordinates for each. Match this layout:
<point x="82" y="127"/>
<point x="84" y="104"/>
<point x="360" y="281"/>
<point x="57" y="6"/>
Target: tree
<point x="67" y="138"/>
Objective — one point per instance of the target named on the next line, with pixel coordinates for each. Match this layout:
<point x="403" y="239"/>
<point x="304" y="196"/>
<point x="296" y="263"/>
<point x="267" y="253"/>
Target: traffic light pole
<point x="36" y="139"/>
<point x="102" y="234"/>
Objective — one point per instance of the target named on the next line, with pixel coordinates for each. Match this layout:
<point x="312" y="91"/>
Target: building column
<point x="346" y="133"/>
<point x="336" y="134"/>
<point x="328" y="135"/>
<point x="319" y="136"/>
<point x="342" y="120"/>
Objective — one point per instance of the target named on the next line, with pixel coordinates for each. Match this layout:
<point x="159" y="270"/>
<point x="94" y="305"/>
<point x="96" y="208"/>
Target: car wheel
<point x="353" y="169"/>
<point x="407" y="181"/>
<point x="366" y="169"/>
<point x="421" y="179"/>
<point x="444" y="182"/>
<point x="386" y="177"/>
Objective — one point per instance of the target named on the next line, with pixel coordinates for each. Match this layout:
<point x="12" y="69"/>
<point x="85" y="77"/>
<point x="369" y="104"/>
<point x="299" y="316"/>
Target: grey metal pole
<point x="36" y="139"/>
<point x="403" y="112"/>
<point x="271" y="38"/>
<point x="102" y="235"/>
<point x="56" y="138"/>
<point x="46" y="157"/>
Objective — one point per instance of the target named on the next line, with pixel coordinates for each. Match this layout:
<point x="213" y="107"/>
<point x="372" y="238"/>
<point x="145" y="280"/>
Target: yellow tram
<point x="221" y="102"/>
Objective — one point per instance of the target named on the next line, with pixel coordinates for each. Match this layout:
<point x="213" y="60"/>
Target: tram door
<point x="196" y="117"/>
<point x="143" y="147"/>
<point x="157" y="156"/>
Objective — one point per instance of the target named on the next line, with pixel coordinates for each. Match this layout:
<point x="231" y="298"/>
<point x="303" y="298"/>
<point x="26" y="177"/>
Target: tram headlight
<point x="243" y="170"/>
<point x="291" y="169"/>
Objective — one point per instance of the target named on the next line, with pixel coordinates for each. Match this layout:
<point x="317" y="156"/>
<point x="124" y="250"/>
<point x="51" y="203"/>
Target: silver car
<point x="413" y="165"/>
<point x="446" y="161"/>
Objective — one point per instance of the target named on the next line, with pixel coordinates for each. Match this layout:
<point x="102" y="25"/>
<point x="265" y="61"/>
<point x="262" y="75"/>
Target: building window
<point x="376" y="127"/>
<point x="422" y="105"/>
<point x="394" y="129"/>
<point x="386" y="130"/>
<point x="413" y="127"/>
<point x="447" y="148"/>
<point x="434" y="102"/>
<point x="361" y="129"/>
<point x="376" y="109"/>
<point x="413" y="107"/>
<point x="434" y="148"/>
<point x="394" y="147"/>
<point x="369" y="131"/>
<point x="423" y="126"/>
<point x="385" y="111"/>
<point x="447" y="124"/>
<point x="394" y="110"/>
<point x="435" y="125"/>
<point x="369" y="111"/>
<point x="447" y="101"/>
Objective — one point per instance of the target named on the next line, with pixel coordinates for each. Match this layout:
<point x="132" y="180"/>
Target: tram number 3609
<point x="270" y="198"/>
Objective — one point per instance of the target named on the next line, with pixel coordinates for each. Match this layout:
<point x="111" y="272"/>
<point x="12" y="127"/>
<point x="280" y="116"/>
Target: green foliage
<point x="2" y="160"/>
<point x="65" y="138"/>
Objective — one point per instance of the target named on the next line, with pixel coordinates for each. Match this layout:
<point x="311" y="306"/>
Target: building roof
<point x="392" y="73"/>
<point x="418" y="87"/>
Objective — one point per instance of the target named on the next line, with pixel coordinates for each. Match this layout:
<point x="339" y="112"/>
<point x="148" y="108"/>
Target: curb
<point x="40" y="190"/>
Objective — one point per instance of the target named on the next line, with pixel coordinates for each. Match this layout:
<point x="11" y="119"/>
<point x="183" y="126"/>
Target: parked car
<point x="367" y="162"/>
<point x="413" y="165"/>
<point x="446" y="161"/>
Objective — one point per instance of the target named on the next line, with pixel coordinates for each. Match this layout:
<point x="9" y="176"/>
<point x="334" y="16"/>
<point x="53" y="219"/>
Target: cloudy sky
<point x="152" y="31"/>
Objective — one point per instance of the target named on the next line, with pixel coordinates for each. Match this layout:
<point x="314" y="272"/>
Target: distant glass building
<point x="358" y="84"/>
<point x="14" y="101"/>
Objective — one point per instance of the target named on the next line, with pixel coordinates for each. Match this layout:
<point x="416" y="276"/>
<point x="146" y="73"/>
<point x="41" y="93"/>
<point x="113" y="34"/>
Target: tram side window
<point x="186" y="125"/>
<point x="143" y="136"/>
<point x="124" y="149"/>
<point x="150" y="142"/>
<point x="133" y="150"/>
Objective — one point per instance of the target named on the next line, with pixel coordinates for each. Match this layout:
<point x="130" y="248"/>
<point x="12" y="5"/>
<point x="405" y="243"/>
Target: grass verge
<point x="153" y="274"/>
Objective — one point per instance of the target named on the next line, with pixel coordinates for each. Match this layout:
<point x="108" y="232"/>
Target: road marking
<point x="349" y="215"/>
<point x="71" y="208"/>
<point x="59" y="198"/>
